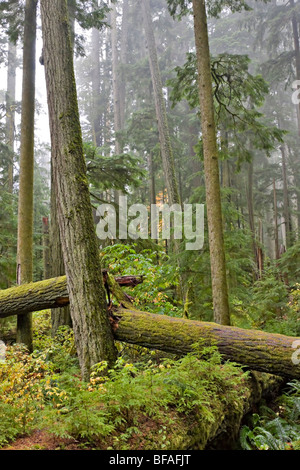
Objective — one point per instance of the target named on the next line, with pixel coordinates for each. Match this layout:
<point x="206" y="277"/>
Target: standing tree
<point x="211" y="167"/>
<point x="10" y="110"/>
<point x="93" y="335"/>
<point x="25" y="208"/>
<point x="160" y="107"/>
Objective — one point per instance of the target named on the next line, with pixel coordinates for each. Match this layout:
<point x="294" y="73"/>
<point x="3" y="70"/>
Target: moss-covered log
<point x="53" y="293"/>
<point x="258" y="350"/>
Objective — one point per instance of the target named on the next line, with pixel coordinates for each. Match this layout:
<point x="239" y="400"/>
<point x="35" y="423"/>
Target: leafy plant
<point x="275" y="430"/>
<point x="156" y="292"/>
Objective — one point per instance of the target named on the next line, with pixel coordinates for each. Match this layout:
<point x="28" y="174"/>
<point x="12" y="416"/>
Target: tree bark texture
<point x="25" y="205"/>
<point x="211" y="167"/>
<point x="258" y="350"/>
<point x="93" y="336"/>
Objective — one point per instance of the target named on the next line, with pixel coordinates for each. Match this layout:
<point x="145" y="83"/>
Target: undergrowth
<point x="276" y="428"/>
<point x="43" y="390"/>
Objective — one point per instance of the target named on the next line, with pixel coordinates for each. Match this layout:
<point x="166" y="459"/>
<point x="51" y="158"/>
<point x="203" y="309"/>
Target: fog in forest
<point x="167" y="120"/>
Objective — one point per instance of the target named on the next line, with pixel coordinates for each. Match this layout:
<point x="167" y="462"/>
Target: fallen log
<point x="52" y="293"/>
<point x="258" y="350"/>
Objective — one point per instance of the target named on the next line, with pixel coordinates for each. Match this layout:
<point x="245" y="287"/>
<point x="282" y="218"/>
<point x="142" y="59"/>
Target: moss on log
<point x="53" y="293"/>
<point x="258" y="350"/>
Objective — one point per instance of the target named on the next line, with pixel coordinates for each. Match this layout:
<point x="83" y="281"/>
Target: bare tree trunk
<point x="286" y="202"/>
<point x="297" y="54"/>
<point x="96" y="100"/>
<point x="25" y="209"/>
<point x="275" y="221"/>
<point x="123" y="57"/>
<point x="10" y="111"/>
<point x="92" y="331"/>
<point x="160" y="106"/>
<point x="211" y="168"/>
<point x="115" y="74"/>
<point x="46" y="252"/>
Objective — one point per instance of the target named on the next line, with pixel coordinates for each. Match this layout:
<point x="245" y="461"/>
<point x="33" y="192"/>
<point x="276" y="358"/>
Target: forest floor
<point x="42" y="440"/>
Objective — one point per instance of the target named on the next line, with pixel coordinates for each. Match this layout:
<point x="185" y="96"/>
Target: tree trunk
<point x="261" y="351"/>
<point x="96" y="86"/>
<point x="10" y="111"/>
<point x="160" y="106"/>
<point x="53" y="293"/>
<point x="258" y="350"/>
<point x="211" y="168"/>
<point x="123" y="61"/>
<point x="115" y="75"/>
<point x="57" y="267"/>
<point x="297" y="53"/>
<point x="25" y="208"/>
<point x="46" y="252"/>
<point x="286" y="203"/>
<point x="276" y="242"/>
<point x="93" y="336"/>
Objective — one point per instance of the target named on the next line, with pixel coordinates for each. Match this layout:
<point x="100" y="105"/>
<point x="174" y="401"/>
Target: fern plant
<point x="275" y="430"/>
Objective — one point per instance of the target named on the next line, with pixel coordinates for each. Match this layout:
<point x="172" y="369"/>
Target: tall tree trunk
<point x="115" y="75"/>
<point x="92" y="331"/>
<point x="164" y="134"/>
<point x="160" y="106"/>
<point x="275" y="221"/>
<point x="297" y="53"/>
<point x="46" y="252"/>
<point x="250" y="202"/>
<point x="211" y="167"/>
<point x="25" y="208"/>
<point x="286" y="202"/>
<point x="96" y="86"/>
<point x="10" y="111"/>
<point x="123" y="60"/>
<point x="57" y="268"/>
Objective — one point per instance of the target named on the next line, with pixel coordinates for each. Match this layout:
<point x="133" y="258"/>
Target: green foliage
<point x="43" y="390"/>
<point x="234" y="87"/>
<point x="214" y="7"/>
<point x="114" y="406"/>
<point x="156" y="293"/>
<point x="12" y="18"/>
<point x="119" y="173"/>
<point x="275" y="430"/>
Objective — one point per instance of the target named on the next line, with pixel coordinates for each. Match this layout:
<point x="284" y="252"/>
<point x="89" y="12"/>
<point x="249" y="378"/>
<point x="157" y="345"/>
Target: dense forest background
<point x="255" y="61"/>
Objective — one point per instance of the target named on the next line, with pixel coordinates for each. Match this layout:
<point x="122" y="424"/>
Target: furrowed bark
<point x="88" y="306"/>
